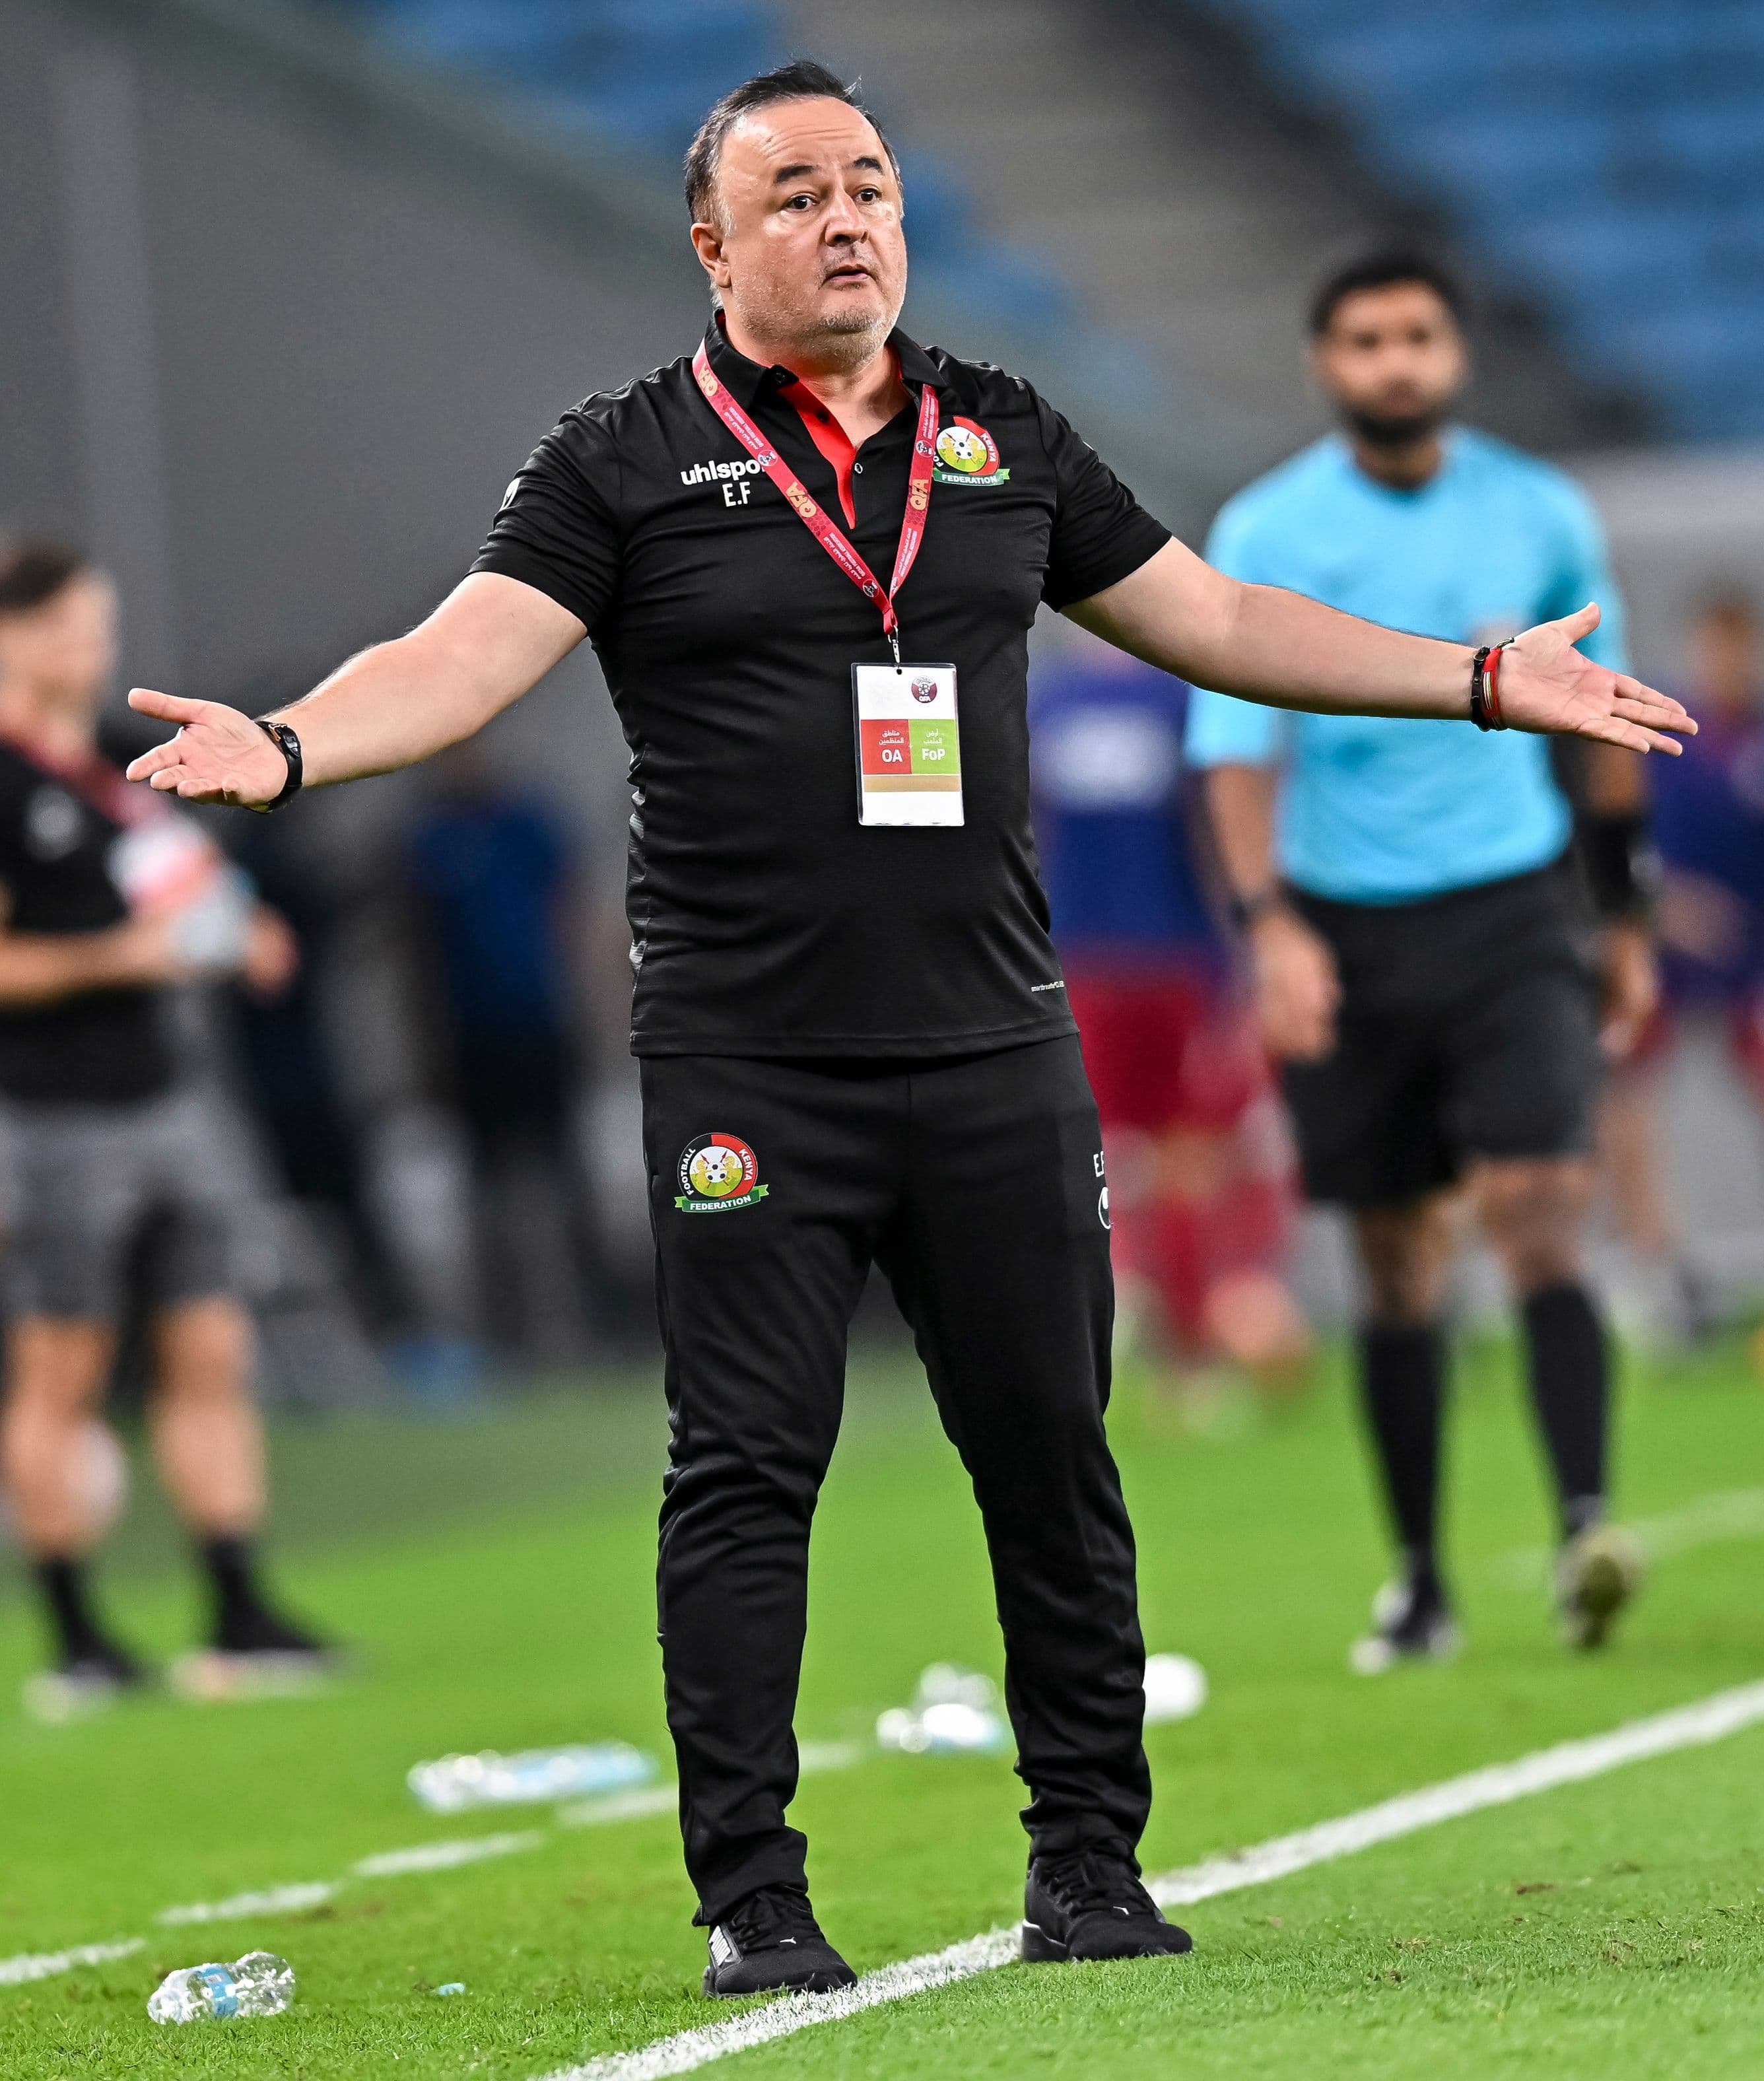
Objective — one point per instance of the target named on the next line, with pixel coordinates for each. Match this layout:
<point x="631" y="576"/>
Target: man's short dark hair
<point x="801" y="80"/>
<point x="34" y="569"/>
<point x="1384" y="269"/>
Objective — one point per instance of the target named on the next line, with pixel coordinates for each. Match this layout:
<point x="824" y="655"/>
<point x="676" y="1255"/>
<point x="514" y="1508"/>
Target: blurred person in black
<point x="102" y="910"/>
<point x="853" y="1040"/>
<point x="1708" y="824"/>
<point x="500" y="921"/>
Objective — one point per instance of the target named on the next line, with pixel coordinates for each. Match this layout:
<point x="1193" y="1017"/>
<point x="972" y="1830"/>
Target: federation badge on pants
<point x="718" y="1174"/>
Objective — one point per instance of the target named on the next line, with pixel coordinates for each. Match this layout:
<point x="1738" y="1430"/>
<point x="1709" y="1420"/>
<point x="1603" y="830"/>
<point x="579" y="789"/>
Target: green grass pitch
<point x="497" y="1572"/>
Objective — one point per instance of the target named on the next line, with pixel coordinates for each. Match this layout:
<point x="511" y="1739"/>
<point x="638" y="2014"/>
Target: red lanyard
<point x="918" y="492"/>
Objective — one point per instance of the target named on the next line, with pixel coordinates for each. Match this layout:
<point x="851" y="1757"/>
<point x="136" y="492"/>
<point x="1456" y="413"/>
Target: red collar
<point x="831" y="438"/>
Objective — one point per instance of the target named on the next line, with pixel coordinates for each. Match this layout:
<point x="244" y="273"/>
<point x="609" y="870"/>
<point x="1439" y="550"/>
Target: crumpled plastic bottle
<point x="259" y="1984"/>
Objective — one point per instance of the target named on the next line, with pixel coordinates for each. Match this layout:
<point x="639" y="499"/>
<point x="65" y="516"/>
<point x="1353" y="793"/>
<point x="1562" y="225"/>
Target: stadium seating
<point x="641" y="73"/>
<point x="1608" y="155"/>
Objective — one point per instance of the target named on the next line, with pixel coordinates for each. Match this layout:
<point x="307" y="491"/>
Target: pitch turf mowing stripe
<point x="1568" y="1763"/>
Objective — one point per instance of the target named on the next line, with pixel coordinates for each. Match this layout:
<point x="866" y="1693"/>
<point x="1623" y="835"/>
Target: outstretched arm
<point x="489" y="641"/>
<point x="1290" y="652"/>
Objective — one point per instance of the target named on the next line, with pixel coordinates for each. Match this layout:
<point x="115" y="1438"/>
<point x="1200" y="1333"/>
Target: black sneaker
<point x="770" y="1943"/>
<point x="258" y="1629"/>
<point x="257" y="1653"/>
<point x="1407" y="1625"/>
<point x="1091" y="1905"/>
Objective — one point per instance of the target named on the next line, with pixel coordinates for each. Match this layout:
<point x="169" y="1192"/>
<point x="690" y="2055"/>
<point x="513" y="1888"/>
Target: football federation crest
<point x="718" y="1173"/>
<point x="967" y="454"/>
<point x="924" y="690"/>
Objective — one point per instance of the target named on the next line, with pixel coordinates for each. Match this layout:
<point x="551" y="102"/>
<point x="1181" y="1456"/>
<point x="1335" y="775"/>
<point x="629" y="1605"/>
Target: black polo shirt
<point x="58" y="834"/>
<point x="765" y="919"/>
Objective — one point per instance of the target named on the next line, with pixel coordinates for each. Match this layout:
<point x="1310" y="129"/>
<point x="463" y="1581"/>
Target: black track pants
<point x="976" y="1185"/>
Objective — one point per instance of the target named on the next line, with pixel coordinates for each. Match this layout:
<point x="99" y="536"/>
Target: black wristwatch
<point x="289" y="745"/>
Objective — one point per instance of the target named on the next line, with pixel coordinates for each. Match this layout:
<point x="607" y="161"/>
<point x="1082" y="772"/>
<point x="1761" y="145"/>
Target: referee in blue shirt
<point x="1418" y="955"/>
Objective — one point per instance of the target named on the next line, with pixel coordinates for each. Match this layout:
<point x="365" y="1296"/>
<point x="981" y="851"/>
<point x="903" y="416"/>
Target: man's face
<point x="66" y="647"/>
<point x="808" y="247"/>
<point x="1392" y="361"/>
<point x="1727" y="660"/>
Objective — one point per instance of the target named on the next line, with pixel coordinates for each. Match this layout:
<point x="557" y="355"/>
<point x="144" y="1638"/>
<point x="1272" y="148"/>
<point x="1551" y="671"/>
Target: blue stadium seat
<point x="642" y="72"/>
<point x="1608" y="154"/>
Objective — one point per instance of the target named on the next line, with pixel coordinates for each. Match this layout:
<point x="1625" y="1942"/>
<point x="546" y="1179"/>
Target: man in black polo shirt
<point x="114" y="1186"/>
<point x="855" y="1042"/>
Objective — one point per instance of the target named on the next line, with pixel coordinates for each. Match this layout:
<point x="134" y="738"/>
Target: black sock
<point x="231" y="1563"/>
<point x="1402" y="1376"/>
<point x="1571" y="1393"/>
<point x="63" y="1587"/>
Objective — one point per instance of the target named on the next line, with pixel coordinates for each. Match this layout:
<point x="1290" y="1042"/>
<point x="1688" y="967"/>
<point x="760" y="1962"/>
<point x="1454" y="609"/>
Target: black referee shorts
<point x="976" y="1185"/>
<point x="1469" y="1028"/>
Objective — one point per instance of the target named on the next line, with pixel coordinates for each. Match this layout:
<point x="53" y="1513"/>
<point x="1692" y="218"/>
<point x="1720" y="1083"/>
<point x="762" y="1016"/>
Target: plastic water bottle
<point x="452" y="1783"/>
<point x="259" y="1984"/>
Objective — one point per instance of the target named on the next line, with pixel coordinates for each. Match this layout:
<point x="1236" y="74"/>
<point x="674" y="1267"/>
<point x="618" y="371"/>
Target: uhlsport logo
<point x="718" y="1174"/>
<point x="969" y="454"/>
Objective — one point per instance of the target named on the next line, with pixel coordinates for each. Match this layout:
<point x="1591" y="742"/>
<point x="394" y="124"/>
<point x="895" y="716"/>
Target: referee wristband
<point x="289" y="745"/>
<point x="1623" y="869"/>
<point x="1486" y="687"/>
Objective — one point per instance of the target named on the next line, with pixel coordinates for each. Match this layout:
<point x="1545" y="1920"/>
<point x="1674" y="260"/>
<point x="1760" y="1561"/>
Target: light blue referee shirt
<point x="1378" y="810"/>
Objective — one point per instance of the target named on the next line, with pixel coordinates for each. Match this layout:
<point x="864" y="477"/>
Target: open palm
<point x="1547" y="686"/>
<point x="218" y="755"/>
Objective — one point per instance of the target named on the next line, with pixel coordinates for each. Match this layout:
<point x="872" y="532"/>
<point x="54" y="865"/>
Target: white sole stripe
<point x="1568" y="1763"/>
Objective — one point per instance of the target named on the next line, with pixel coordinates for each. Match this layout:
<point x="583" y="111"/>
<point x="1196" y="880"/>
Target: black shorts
<point x="1469" y="1028"/>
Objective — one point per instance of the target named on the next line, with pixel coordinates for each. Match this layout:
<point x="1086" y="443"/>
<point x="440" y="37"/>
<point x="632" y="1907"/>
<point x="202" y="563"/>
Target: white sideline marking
<point x="813" y="1758"/>
<point x="1568" y="1763"/>
<point x="443" y="1856"/>
<point x="688" y="2049"/>
<point x="42" y="1964"/>
<point x="1709" y="1521"/>
<point x="1686" y="1727"/>
<point x="634" y="1805"/>
<point x="272" y="1900"/>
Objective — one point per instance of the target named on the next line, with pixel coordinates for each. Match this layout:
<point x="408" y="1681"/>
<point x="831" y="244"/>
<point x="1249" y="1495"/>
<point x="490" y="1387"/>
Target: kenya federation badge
<point x="718" y="1174"/>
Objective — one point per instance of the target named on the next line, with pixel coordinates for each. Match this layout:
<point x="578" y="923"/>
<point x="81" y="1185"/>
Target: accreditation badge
<point x="909" y="754"/>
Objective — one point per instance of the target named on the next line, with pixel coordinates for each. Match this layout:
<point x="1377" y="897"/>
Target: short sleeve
<point x="1100" y="532"/>
<point x="1224" y="731"/>
<point x="558" y="529"/>
<point x="1586" y="574"/>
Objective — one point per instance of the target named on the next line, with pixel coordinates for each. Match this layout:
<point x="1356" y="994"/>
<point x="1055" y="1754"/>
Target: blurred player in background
<point x="107" y="902"/>
<point x="499" y="917"/>
<point x="1199" y="1187"/>
<point x="1709" y="829"/>
<point x="1411" y="925"/>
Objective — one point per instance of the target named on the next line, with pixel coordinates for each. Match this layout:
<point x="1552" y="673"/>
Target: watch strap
<point x="285" y="741"/>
